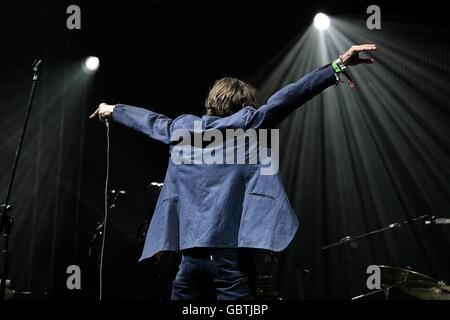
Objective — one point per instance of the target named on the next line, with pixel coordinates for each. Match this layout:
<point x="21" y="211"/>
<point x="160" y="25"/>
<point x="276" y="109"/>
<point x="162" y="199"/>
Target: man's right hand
<point x="104" y="111"/>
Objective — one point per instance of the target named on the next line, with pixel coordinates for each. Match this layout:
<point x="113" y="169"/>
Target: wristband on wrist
<point x="339" y="68"/>
<point x="338" y="65"/>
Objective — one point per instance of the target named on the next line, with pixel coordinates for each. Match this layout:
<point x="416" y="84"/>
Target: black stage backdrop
<point x="164" y="55"/>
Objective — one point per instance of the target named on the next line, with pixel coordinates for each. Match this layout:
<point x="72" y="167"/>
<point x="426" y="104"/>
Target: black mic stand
<point x="6" y="221"/>
<point x="351" y="240"/>
<point x="112" y="199"/>
<point x="426" y="219"/>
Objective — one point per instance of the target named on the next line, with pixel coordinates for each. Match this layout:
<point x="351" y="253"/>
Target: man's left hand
<point x="352" y="58"/>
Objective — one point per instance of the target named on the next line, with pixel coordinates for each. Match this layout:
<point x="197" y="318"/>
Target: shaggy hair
<point x="229" y="95"/>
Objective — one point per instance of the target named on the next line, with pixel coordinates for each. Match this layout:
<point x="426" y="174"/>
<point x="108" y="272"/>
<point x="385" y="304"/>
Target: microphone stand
<point x="6" y="221"/>
<point x="351" y="240"/>
<point x="426" y="219"/>
<point x="99" y="229"/>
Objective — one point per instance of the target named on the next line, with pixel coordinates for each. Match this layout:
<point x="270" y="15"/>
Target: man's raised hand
<point x="352" y="58"/>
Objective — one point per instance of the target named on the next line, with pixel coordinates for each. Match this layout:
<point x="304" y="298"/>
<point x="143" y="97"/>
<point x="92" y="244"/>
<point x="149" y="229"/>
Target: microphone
<point x="438" y="221"/>
<point x="442" y="221"/>
<point x="36" y="64"/>
<point x="430" y="219"/>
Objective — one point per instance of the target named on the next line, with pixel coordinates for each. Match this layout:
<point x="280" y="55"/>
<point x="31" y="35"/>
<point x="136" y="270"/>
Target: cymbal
<point x="414" y="283"/>
<point x="426" y="290"/>
<point x="395" y="277"/>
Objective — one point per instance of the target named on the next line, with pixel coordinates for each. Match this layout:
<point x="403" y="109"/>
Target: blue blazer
<point x="224" y="206"/>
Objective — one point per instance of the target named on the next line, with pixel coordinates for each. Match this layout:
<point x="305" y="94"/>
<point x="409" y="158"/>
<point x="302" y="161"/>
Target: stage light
<point x="321" y="21"/>
<point x="91" y="64"/>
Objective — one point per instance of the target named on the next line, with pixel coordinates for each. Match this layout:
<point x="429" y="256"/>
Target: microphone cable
<point x="105" y="218"/>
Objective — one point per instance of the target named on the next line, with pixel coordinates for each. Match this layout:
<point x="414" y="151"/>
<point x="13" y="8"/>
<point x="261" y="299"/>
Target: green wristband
<point x="336" y="68"/>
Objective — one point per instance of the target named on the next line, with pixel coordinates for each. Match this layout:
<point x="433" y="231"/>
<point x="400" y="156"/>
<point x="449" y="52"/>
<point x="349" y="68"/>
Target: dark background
<point x="163" y="55"/>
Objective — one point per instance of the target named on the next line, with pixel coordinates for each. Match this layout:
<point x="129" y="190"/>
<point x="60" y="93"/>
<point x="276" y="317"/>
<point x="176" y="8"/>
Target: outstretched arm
<point x="292" y="96"/>
<point x="152" y="124"/>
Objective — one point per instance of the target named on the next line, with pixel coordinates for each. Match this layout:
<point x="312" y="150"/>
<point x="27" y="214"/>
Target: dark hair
<point x="229" y="95"/>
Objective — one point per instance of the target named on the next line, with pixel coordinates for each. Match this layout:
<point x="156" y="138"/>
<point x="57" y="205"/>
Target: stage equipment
<point x="6" y="221"/>
<point x="412" y="283"/>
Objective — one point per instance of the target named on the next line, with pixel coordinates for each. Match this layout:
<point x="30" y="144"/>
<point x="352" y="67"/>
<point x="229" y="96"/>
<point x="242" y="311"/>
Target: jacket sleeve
<point x="152" y="124"/>
<point x="289" y="98"/>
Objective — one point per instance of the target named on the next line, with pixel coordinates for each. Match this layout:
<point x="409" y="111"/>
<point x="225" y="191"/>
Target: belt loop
<point x="211" y="257"/>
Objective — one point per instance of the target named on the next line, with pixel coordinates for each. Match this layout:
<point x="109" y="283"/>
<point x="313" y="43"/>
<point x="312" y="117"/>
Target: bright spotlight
<point x="91" y="64"/>
<point x="321" y="21"/>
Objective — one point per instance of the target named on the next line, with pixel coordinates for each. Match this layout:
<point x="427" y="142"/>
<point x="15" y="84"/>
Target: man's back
<point x="222" y="204"/>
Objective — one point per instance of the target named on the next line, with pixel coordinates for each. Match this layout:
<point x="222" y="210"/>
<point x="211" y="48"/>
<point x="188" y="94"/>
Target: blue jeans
<point x="210" y="274"/>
